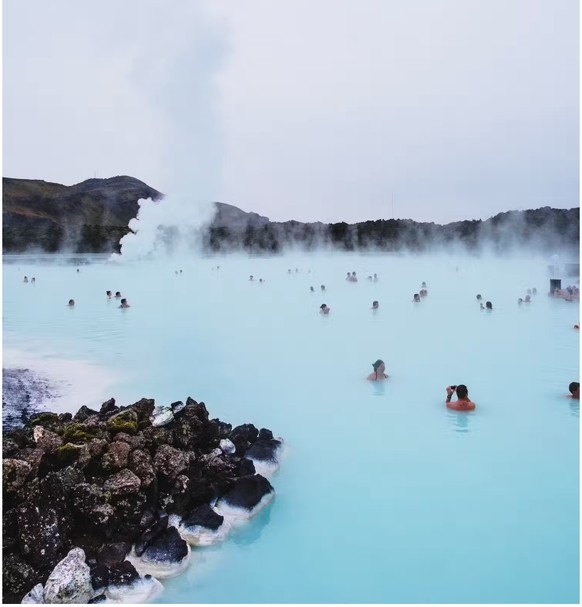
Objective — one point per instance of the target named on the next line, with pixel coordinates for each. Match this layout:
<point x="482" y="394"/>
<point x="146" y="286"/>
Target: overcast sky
<point x="301" y="109"/>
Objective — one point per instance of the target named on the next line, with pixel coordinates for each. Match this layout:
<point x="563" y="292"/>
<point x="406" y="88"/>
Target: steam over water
<point x="383" y="494"/>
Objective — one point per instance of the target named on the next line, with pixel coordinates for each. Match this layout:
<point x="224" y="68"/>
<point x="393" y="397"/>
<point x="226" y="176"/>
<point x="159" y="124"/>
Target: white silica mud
<point x="198" y="535"/>
<point x="450" y="507"/>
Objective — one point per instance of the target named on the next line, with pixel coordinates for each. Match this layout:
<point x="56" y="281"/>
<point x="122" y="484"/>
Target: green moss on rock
<point x="80" y="433"/>
<point x="67" y="452"/>
<point x="118" y="424"/>
<point x="45" y="419"/>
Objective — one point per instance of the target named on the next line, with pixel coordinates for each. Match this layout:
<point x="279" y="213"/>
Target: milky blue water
<point x="383" y="494"/>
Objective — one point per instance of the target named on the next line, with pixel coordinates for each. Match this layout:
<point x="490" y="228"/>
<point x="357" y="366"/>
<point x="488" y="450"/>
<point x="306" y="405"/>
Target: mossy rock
<point x="118" y="424"/>
<point x="80" y="433"/>
<point x="67" y="453"/>
<point x="46" y="420"/>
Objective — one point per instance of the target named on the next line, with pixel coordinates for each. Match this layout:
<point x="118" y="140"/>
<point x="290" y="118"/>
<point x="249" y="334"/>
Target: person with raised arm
<point x="463" y="402"/>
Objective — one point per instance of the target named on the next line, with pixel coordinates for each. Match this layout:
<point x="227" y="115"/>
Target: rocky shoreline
<point x="23" y="394"/>
<point x="101" y="505"/>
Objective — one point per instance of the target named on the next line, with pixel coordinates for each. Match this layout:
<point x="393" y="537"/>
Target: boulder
<point x="113" y="553"/>
<point x="248" y="494"/>
<point x="46" y="440"/>
<point x="14" y="474"/>
<point x="135" y="442"/>
<point x="243" y="437"/>
<point x="45" y="522"/>
<point x="70" y="580"/>
<point x="227" y="446"/>
<point x="221" y="428"/>
<point x="35" y="596"/>
<point x="204" y="516"/>
<point x="161" y="416"/>
<point x="90" y="502"/>
<point x="166" y="556"/>
<point x="18" y="577"/>
<point x="140" y="463"/>
<point x="83" y="413"/>
<point x="246" y="467"/>
<point x="108" y="407"/>
<point x="122" y="483"/>
<point x="122" y="573"/>
<point x="158" y="526"/>
<point x="139" y="591"/>
<point x="169" y="461"/>
<point x="177" y="407"/>
<point x="143" y="408"/>
<point x="116" y="457"/>
<point x="9" y="530"/>
<point x="264" y="453"/>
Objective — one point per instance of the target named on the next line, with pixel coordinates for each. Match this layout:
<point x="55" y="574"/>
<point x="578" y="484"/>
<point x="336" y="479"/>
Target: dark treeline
<point x="92" y="217"/>
<point x="545" y="229"/>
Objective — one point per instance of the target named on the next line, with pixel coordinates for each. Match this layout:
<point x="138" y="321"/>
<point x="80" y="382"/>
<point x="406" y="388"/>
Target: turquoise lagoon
<point x="383" y="495"/>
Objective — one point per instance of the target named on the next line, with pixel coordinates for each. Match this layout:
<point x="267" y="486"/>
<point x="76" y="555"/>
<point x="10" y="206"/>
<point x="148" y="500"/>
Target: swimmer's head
<point x="520" y="301"/>
<point x="416" y="297"/>
<point x="479" y="298"/>
<point x="375" y="304"/>
<point x="71" y="302"/>
<point x="123" y="301"/>
<point x="378" y="365"/>
<point x="462" y="391"/>
<point x="322" y="287"/>
<point x="117" y="294"/>
<point x="322" y="307"/>
<point x="489" y="305"/>
<point x="108" y="293"/>
<point x="574" y="388"/>
<point x="311" y="289"/>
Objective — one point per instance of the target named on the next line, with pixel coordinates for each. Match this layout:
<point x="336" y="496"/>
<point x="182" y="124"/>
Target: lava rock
<point x="140" y="463"/>
<point x="18" y="577"/>
<point x="14" y="474"/>
<point x="168" y="547"/>
<point x="90" y="501"/>
<point x="35" y="596"/>
<point x="243" y="437"/>
<point x="113" y="554"/>
<point x="204" y="516"/>
<point x="122" y="483"/>
<point x="46" y="440"/>
<point x="70" y="580"/>
<point x="247" y="492"/>
<point x="246" y="467"/>
<point x="116" y="457"/>
<point x="83" y="413"/>
<point x="123" y="573"/>
<point x="108" y="407"/>
<point x="169" y="461"/>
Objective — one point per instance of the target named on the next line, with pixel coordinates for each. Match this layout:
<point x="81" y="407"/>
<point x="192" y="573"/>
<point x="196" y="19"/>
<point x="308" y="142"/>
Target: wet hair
<point x="489" y="305"/>
<point x="322" y="306"/>
<point x="416" y="297"/>
<point x="377" y="364"/>
<point x="479" y="297"/>
<point x="311" y="289"/>
<point x="71" y="302"/>
<point x="124" y="300"/>
<point x="462" y="391"/>
<point x="573" y="387"/>
<point x="520" y="300"/>
<point x="322" y="287"/>
<point x="117" y="293"/>
<point x="107" y="292"/>
<point x="375" y="303"/>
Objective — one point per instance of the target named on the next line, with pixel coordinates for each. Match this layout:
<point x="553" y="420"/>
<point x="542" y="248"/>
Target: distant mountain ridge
<point x="92" y="217"/>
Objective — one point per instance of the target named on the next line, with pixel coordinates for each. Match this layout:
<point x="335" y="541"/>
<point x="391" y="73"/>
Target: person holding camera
<point x="463" y="403"/>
